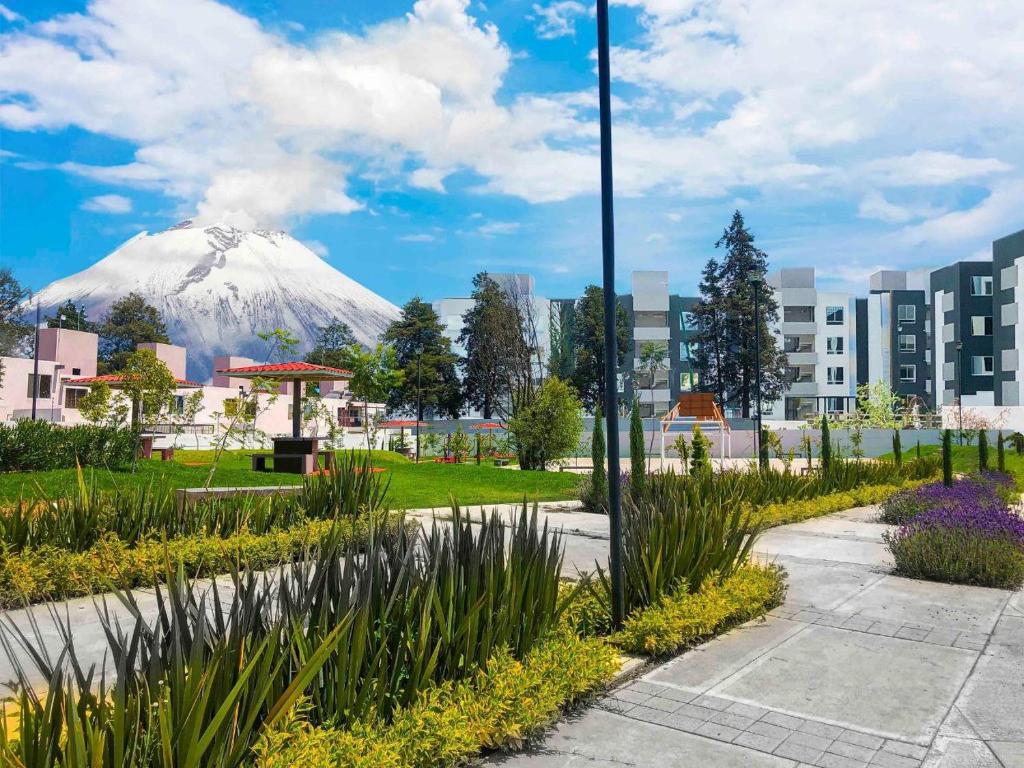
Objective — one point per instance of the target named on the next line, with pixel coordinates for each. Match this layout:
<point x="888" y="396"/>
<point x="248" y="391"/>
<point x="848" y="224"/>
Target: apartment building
<point x="963" y="370"/>
<point x="818" y="332"/>
<point x="894" y="324"/>
<point x="1008" y="317"/>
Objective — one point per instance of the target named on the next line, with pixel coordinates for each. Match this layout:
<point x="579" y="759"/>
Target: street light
<point x="755" y="282"/>
<point x="608" y="284"/>
<point x="959" y="381"/>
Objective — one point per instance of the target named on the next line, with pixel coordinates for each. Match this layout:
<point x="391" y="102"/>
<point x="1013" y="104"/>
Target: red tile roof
<point x="489" y="425"/>
<point x="396" y="423"/>
<point x="116" y="378"/>
<point x="282" y="369"/>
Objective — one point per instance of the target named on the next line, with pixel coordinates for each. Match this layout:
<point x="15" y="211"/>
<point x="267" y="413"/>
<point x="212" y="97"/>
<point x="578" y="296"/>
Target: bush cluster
<point x="795" y="511"/>
<point x="968" y="533"/>
<point x="39" y="445"/>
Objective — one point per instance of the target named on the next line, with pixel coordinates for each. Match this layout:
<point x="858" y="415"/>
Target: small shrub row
<point x="38" y="445"/>
<point x="683" y="619"/>
<point x="51" y="573"/>
<point x="993" y="489"/>
<point x="795" y="511"/>
<point x="497" y="708"/>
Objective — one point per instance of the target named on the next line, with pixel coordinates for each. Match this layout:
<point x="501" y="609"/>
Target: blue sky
<point x="414" y="145"/>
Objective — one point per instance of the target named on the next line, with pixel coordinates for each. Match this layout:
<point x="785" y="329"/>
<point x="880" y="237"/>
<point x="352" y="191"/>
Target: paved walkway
<point x="858" y="668"/>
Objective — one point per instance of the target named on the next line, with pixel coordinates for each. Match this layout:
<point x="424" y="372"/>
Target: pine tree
<point x="588" y="346"/>
<point x="710" y="338"/>
<point x="418" y="333"/>
<point x="71" y="316"/>
<point x="826" y="447"/>
<point x="897" y="448"/>
<point x="1000" y="453"/>
<point x="637" y="455"/>
<point x="743" y="260"/>
<point x="599" y="477"/>
<point x="131" y="321"/>
<point x="332" y="344"/>
<point x="947" y="458"/>
<point x="700" y="455"/>
<point x="982" y="450"/>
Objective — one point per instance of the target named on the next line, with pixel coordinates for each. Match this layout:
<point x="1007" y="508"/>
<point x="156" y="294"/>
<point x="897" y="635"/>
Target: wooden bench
<point x="184" y="496"/>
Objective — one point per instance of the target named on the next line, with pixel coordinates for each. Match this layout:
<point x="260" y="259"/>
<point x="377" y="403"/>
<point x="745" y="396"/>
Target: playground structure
<point x="697" y="409"/>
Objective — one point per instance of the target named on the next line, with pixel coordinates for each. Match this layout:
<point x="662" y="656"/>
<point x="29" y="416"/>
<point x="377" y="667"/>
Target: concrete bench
<point x="166" y="454"/>
<point x="185" y="496"/>
<point x="298" y="463"/>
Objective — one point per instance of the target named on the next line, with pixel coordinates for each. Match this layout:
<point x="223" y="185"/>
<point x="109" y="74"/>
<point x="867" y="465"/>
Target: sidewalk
<point x="858" y="668"/>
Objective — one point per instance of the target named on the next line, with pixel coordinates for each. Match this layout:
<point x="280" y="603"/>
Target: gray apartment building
<point x="896" y="331"/>
<point x="1008" y="326"/>
<point x="963" y="369"/>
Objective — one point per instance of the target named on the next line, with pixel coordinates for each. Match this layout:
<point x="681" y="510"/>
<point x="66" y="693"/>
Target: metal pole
<point x="960" y="390"/>
<point x="419" y="403"/>
<point x="35" y="367"/>
<point x="297" y="408"/>
<point x="610" y="336"/>
<point x="757" y="369"/>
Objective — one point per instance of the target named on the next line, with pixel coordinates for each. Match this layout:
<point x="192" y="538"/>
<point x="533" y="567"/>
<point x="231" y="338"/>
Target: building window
<point x="834" y="315"/>
<point x="684" y="351"/>
<point x="178" y="404"/>
<point x="72" y="396"/>
<point x="650" y="319"/>
<point x="796" y="344"/>
<point x="908" y="342"/>
<point x="981" y="285"/>
<point x="799" y="374"/>
<point x="981" y="365"/>
<point x="800" y="408"/>
<point x="908" y="373"/>
<point x="688" y="381"/>
<point x="44" y="385"/>
<point x="620" y="380"/>
<point x="76" y="371"/>
<point x="798" y="314"/>
<point x="836" y="375"/>
<point x="687" y="322"/>
<point x="906" y="313"/>
<point x="835" y="345"/>
<point x="835" y="404"/>
<point x="981" y="325"/>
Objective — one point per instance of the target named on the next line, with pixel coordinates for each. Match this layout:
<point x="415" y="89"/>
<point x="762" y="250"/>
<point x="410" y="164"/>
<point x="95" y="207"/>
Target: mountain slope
<point x="217" y="287"/>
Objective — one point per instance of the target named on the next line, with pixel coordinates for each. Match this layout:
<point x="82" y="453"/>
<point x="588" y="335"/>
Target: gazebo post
<point x="297" y="408"/>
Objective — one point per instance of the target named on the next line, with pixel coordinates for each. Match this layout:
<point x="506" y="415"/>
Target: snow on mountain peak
<point x="217" y="286"/>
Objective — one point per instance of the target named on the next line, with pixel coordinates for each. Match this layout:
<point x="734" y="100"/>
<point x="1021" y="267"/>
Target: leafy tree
<point x="561" y="332"/>
<point x="982" y="451"/>
<point x="549" y="426"/>
<point x="131" y="321"/>
<point x="712" y="343"/>
<point x="100" y="406"/>
<point x="281" y="344"/>
<point x="418" y="334"/>
<point x="495" y="348"/>
<point x="331" y="344"/>
<point x="599" y="475"/>
<point x="190" y="410"/>
<point x="878" y="406"/>
<point x="375" y="375"/>
<point x="70" y="315"/>
<point x="637" y="456"/>
<point x="588" y="346"/>
<point x="683" y="449"/>
<point x="458" y="444"/>
<point x="947" y="458"/>
<point x="14" y="330"/>
<point x="149" y="385"/>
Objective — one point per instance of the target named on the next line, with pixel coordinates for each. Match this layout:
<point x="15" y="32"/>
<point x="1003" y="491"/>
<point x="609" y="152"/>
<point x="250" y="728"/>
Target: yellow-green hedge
<point x="795" y="511"/>
<point x="685" y="619"/>
<point x="498" y="708"/>
<point x="57" y="574"/>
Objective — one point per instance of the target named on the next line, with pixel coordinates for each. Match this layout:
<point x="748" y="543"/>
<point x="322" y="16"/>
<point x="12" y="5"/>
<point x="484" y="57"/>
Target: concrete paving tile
<point x="713" y="702"/>
<point x="853" y="751"/>
<point x="825" y="730"/>
<point x="703" y="667"/>
<point x="858" y="623"/>
<point x="903" y="688"/>
<point x="780" y="542"/>
<point x="993" y="699"/>
<point x="861" y="739"/>
<point x="748" y="710"/>
<point x="720" y="732"/>
<point x="941" y="636"/>
<point x="821" y="743"/>
<point x="633" y="697"/>
<point x="683" y="697"/>
<point x="910" y="633"/>
<point x="960" y="753"/>
<point x="823" y="585"/>
<point x="889" y="760"/>
<point x="601" y="740"/>
<point x="682" y="722"/>
<point x="832" y="760"/>
<point x="903" y="749"/>
<point x="647" y="714"/>
<point x="1008" y="638"/>
<point x="1015" y="607"/>
<point x="887" y="628"/>
<point x="698" y="713"/>
<point x="757" y="741"/>
<point x="642" y="686"/>
<point x="928" y="603"/>
<point x="1010" y="753"/>
<point x="796" y="751"/>
<point x="733" y="720"/>
<point x="665" y="705"/>
<point x="785" y="721"/>
<point x="763" y="728"/>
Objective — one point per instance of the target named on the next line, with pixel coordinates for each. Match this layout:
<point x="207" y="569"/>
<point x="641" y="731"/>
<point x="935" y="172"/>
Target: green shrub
<point x="498" y="708"/>
<point x="982" y="450"/>
<point x="594" y="490"/>
<point x="795" y="511"/>
<point x="637" y="452"/>
<point x="683" y="619"/>
<point x="958" y="556"/>
<point x="700" y="452"/>
<point x="39" y="445"/>
<point x="947" y="458"/>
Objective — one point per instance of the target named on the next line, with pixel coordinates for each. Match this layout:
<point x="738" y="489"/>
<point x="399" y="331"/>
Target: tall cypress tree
<point x="826" y="447"/>
<point x="1000" y="453"/>
<point x="599" y="477"/>
<point x="947" y="457"/>
<point x="710" y="338"/>
<point x="897" y="448"/>
<point x="982" y="450"/>
<point x="637" y="454"/>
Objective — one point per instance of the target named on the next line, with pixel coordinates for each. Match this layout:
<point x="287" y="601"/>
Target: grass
<point x="965" y="457"/>
<point x="412" y="485"/>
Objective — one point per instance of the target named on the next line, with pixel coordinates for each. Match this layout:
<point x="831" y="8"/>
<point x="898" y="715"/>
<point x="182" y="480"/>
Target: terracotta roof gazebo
<point x="116" y="381"/>
<point x="296" y="373"/>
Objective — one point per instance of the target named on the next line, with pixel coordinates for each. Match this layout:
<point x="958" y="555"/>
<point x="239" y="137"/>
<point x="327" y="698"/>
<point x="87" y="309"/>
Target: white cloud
<point x="925" y="168"/>
<point x="108" y="204"/>
<point x="994" y="215"/>
<point x="8" y="15"/>
<point x="557" y="19"/>
<point x="418" y="237"/>
<point x="494" y="228"/>
<point x="318" y="248"/>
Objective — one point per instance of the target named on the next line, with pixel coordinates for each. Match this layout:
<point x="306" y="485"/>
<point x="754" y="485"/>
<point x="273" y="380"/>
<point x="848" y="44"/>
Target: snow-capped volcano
<point x="217" y="287"/>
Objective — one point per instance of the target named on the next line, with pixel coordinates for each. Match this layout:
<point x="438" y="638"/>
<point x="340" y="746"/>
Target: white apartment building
<point x="817" y="329"/>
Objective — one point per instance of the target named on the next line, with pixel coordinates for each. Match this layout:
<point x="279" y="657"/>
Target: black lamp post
<point x="610" y="347"/>
<point x="755" y="283"/>
<point x="419" y="400"/>
<point x="960" y="389"/>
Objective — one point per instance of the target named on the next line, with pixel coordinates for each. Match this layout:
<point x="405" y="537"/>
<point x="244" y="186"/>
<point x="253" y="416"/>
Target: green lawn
<point x="412" y="485"/>
<point x="965" y="457"/>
